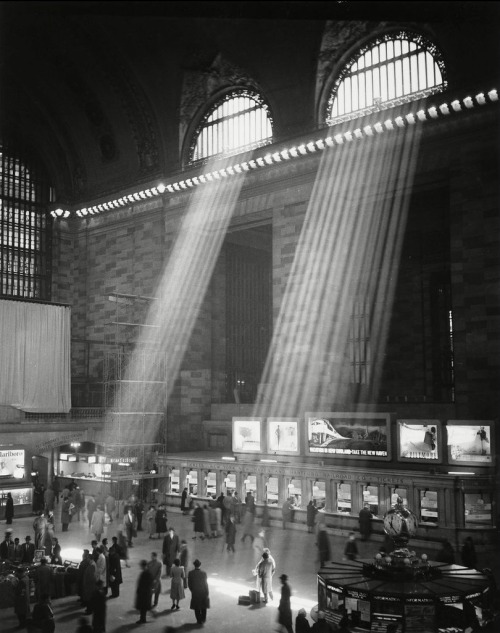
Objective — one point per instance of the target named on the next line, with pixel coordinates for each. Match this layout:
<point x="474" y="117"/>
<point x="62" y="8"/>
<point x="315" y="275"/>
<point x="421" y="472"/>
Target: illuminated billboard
<point x="283" y="436"/>
<point x="12" y="463"/>
<point x="356" y="435"/>
<point x="470" y="442"/>
<point x="419" y="440"/>
<point x="247" y="435"/>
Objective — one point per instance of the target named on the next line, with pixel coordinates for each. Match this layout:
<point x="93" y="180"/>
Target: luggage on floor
<point x="245" y="600"/>
<point x="254" y="596"/>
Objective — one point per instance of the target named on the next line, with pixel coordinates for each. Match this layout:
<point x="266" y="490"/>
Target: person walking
<point x="323" y="543"/>
<point x="97" y="523"/>
<point x="469" y="558"/>
<point x="265" y="573"/>
<point x="161" y="520"/>
<point x="91" y="506"/>
<point x="154" y="567"/>
<point x="98" y="602"/>
<point x="88" y="584"/>
<point x="248" y="521"/>
<point x="311" y="516"/>
<point x="198" y="522"/>
<point x="200" y="598"/>
<point x="129" y="523"/>
<point x="351" y="547"/>
<point x="170" y="551"/>
<point x="43" y="616"/>
<point x="27" y="551"/>
<point x="286" y="513"/>
<point x="184" y="505"/>
<point x="184" y="558"/>
<point x="230" y="533"/>
<point x="284" y="608"/>
<point x="42" y="577"/>
<point x="177" y="574"/>
<point x="265" y="520"/>
<point x="115" y="571"/>
<point x="143" y="592"/>
<point x="65" y="514"/>
<point x="22" y="597"/>
<point x="365" y="522"/>
<point x="150" y="521"/>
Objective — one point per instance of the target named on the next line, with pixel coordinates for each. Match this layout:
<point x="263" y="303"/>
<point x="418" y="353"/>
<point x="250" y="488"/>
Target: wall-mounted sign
<point x="470" y="442"/>
<point x="419" y="440"/>
<point x="247" y="433"/>
<point x="12" y="463"/>
<point x="358" y="435"/>
<point x="283" y="436"/>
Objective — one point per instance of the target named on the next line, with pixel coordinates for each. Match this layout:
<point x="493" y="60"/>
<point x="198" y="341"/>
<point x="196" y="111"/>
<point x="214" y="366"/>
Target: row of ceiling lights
<point x="411" y="118"/>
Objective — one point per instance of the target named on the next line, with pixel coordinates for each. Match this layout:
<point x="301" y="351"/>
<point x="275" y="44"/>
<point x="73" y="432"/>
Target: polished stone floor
<point x="229" y="575"/>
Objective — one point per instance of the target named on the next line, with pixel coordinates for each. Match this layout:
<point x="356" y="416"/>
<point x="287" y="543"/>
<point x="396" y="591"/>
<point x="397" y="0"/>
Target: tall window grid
<point x="390" y="71"/>
<point x="25" y="229"/>
<point x="359" y="343"/>
<point x="240" y="121"/>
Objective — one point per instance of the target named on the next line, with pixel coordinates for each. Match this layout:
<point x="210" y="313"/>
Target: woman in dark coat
<point x="311" y="516"/>
<point x="230" y="534"/>
<point x="323" y="547"/>
<point x="198" y="520"/>
<point x="184" y="507"/>
<point x="161" y="521"/>
<point x="115" y="572"/>
<point x="284" y="608"/>
<point x="9" y="509"/>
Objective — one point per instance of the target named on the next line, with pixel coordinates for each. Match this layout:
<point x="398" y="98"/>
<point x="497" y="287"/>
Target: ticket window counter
<point x="319" y="493"/>
<point x="399" y="493"/>
<point x="371" y="497"/>
<point x="174" y="481"/>
<point x="344" y="498"/>
<point x="230" y="483"/>
<point x="477" y="508"/>
<point x="272" y="491"/>
<point x="295" y="492"/>
<point x="211" y="481"/>
<point x="250" y="485"/>
<point x="192" y="482"/>
<point x="429" y="507"/>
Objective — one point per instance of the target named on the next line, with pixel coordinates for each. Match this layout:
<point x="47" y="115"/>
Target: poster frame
<point x="472" y="462"/>
<point x="439" y="441"/>
<point x="271" y="448"/>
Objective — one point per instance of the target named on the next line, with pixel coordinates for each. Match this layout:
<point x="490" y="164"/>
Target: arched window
<point x="238" y="122"/>
<point x="394" y="69"/>
<point x="25" y="228"/>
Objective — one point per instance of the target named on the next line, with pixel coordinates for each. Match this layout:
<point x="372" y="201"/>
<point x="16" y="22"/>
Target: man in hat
<point x="285" y="608"/>
<point x="198" y="585"/>
<point x="7" y="546"/>
<point x="27" y="551"/>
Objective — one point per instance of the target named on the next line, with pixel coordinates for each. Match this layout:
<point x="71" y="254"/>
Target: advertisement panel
<point x="470" y="442"/>
<point x="419" y="441"/>
<point x="356" y="435"/>
<point x="247" y="434"/>
<point x="283" y="436"/>
<point x="12" y="463"/>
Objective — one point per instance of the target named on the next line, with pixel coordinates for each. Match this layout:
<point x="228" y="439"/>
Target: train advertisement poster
<point x="419" y="440"/>
<point x="357" y="435"/>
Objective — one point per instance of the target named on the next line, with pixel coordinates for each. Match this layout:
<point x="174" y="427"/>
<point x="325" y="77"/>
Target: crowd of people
<point x="99" y="574"/>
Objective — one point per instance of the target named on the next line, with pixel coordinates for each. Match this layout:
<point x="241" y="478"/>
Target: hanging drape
<point x="35" y="372"/>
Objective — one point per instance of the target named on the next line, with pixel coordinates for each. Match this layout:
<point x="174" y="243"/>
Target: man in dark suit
<point x="171" y="549"/>
<point x="198" y="585"/>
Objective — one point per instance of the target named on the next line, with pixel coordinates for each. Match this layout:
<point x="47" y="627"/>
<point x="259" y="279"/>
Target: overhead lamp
<point x="388" y="124"/>
<point x="468" y="103"/>
<point x="237" y="169"/>
<point x="311" y="146"/>
<point x="378" y="127"/>
<point x="228" y="458"/>
<point x="216" y="175"/>
<point x="176" y="186"/>
<point x="410" y="117"/>
<point x="302" y="149"/>
<point x="189" y="182"/>
<point x="148" y="193"/>
<point x="456" y="105"/>
<point x="293" y="152"/>
<point x="421" y="115"/>
<point x="339" y="139"/>
<point x="493" y="95"/>
<point x="433" y="112"/>
<point x="399" y="121"/>
<point x="202" y="178"/>
<point x="358" y="133"/>
<point x="348" y="136"/>
<point x="444" y="108"/>
<point x="59" y="213"/>
<point x="480" y="98"/>
<point x="170" y="188"/>
<point x="329" y="141"/>
<point x="269" y="461"/>
<point x="285" y="154"/>
<point x="260" y="161"/>
<point x="368" y="130"/>
<point x="269" y="159"/>
<point x="252" y="164"/>
<point x="161" y="187"/>
<point x="454" y="472"/>
<point x="137" y="196"/>
<point x="223" y="172"/>
<point x="245" y="166"/>
<point x="230" y="170"/>
<point x="320" y="144"/>
<point x="183" y="184"/>
<point x="276" y="157"/>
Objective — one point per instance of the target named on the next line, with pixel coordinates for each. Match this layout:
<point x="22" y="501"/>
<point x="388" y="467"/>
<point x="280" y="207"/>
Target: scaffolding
<point x="135" y="388"/>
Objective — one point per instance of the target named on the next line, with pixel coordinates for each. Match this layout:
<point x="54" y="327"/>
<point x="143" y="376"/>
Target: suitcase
<point x="254" y="596"/>
<point x="245" y="600"/>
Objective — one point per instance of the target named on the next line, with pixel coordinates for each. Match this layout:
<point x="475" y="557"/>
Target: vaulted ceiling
<point x="104" y="93"/>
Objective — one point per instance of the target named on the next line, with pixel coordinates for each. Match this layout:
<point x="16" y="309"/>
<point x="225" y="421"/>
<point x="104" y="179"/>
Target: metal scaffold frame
<point x="135" y="387"/>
